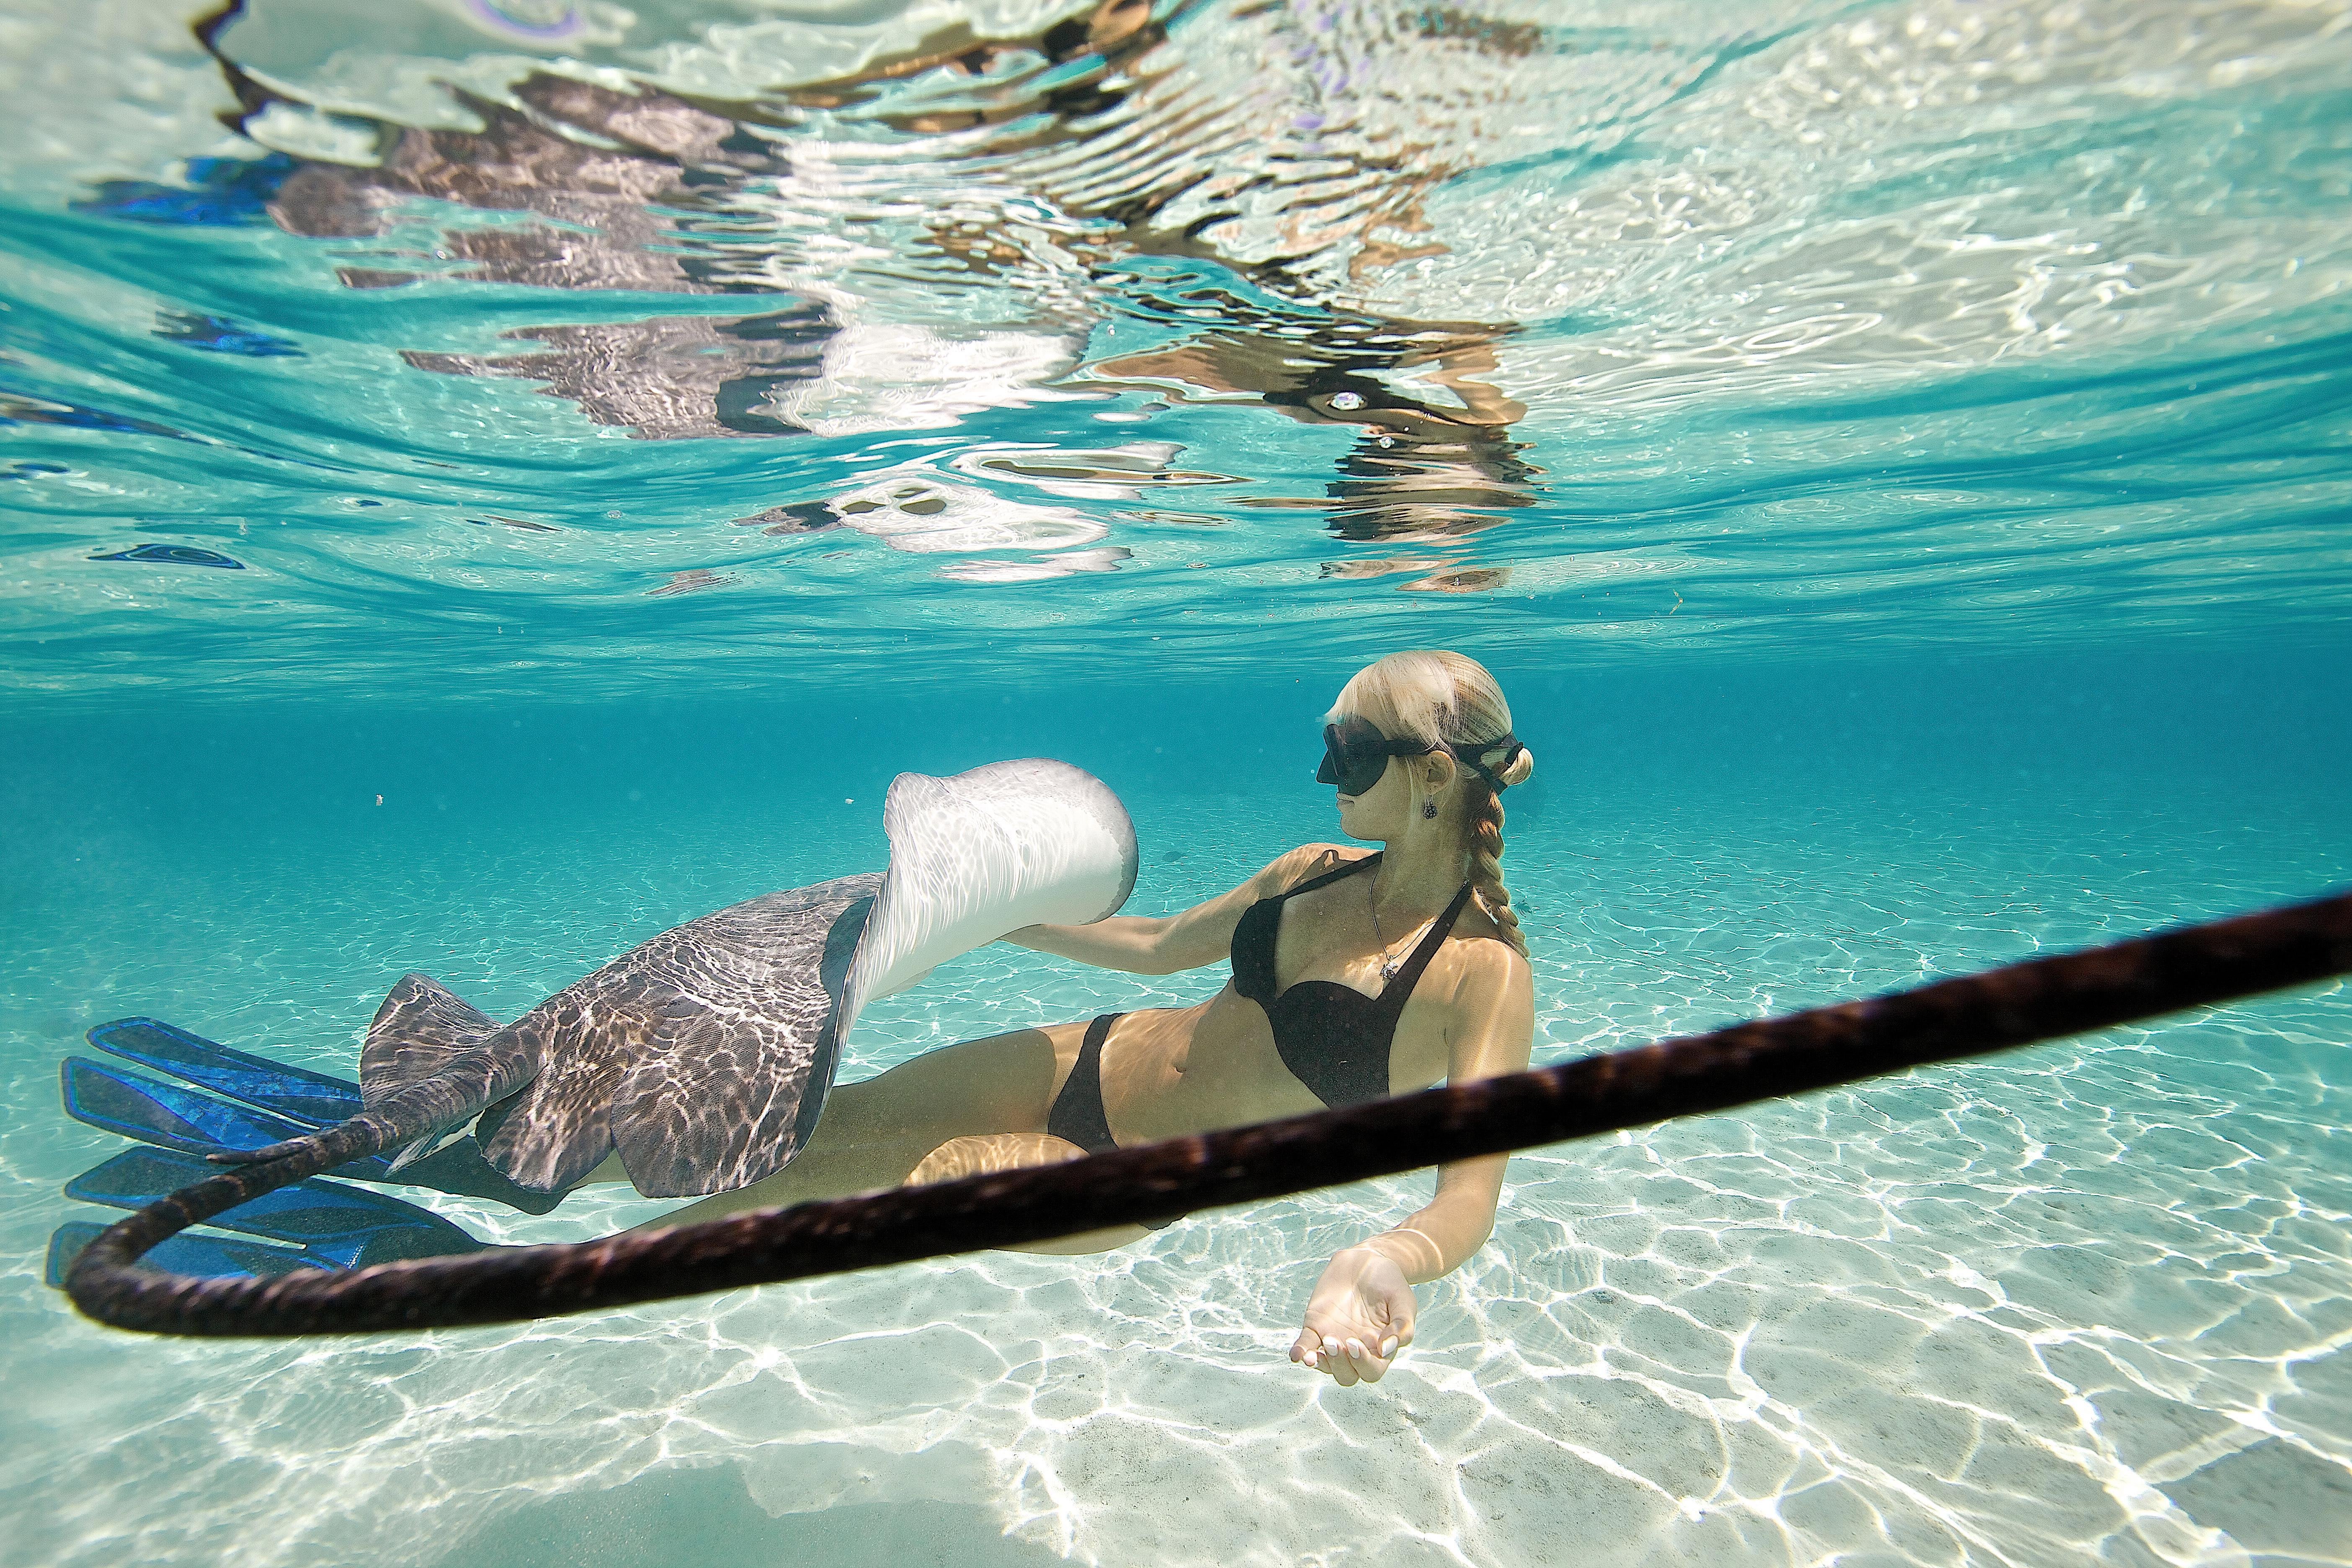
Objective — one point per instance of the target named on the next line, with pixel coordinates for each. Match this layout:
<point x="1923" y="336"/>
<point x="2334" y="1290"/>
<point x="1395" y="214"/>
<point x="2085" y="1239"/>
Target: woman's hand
<point x="1360" y="1317"/>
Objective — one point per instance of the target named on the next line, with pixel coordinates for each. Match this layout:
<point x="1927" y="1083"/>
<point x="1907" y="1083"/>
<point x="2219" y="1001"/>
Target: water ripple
<point x="2039" y="313"/>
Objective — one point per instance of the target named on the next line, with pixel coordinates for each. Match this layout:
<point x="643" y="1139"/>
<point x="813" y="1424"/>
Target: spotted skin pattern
<point x="704" y="1055"/>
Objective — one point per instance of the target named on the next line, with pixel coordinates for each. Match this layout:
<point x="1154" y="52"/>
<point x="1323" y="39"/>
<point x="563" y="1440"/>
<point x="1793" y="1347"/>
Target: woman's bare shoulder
<point x="1309" y="860"/>
<point x="1483" y="957"/>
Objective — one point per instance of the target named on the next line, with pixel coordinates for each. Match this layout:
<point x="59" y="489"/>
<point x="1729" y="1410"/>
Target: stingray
<point x="703" y="1057"/>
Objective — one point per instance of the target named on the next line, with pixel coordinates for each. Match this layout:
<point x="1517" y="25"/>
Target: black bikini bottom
<point x="1077" y="1114"/>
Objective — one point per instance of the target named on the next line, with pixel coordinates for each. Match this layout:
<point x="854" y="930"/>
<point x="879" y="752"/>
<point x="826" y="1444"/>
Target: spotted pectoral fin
<point x="560" y="1128"/>
<point x="725" y="1103"/>
<point x="420" y="1025"/>
<point x="721" y="1097"/>
<point x="704" y="1055"/>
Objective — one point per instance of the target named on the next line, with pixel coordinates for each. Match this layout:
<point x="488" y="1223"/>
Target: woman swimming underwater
<point x="1354" y="976"/>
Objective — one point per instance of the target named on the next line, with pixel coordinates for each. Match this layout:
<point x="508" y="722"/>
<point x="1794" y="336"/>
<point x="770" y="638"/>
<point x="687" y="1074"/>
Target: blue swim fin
<point x="190" y="1252"/>
<point x="131" y="1105"/>
<point x="298" y="1092"/>
<point x="347" y="1226"/>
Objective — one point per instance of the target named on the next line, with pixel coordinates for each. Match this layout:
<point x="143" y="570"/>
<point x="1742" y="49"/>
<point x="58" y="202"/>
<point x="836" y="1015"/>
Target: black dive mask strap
<point x="1469" y="752"/>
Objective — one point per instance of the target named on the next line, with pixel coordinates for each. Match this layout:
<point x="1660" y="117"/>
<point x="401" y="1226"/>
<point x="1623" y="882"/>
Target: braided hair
<point x="1450" y="701"/>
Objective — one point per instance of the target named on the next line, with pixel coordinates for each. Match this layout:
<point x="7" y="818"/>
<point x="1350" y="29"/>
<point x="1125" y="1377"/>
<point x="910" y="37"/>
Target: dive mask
<point x="1355" y="755"/>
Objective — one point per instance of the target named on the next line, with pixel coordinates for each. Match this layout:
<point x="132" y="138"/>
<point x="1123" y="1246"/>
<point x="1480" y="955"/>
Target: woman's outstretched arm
<point x="1363" y="1312"/>
<point x="1169" y="943"/>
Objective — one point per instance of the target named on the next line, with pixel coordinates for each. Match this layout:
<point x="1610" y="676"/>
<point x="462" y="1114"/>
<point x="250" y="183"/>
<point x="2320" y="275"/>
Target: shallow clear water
<point x="1894" y="457"/>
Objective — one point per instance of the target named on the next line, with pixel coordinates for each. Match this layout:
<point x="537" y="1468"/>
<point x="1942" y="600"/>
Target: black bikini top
<point x="1335" y="1039"/>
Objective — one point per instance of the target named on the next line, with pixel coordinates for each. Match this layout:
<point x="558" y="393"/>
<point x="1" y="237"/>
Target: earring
<point x="1429" y="809"/>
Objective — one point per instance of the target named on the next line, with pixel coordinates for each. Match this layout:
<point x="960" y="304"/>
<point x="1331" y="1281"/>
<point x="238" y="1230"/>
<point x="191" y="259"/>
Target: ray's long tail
<point x="432" y="1062"/>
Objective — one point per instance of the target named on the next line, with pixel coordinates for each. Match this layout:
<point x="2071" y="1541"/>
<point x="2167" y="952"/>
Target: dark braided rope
<point x="2018" y="1005"/>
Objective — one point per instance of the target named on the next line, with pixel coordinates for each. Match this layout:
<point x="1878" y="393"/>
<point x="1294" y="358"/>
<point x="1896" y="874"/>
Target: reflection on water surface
<point x="1702" y="327"/>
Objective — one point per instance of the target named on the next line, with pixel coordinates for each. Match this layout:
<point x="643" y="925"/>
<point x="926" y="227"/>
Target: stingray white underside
<point x="980" y="854"/>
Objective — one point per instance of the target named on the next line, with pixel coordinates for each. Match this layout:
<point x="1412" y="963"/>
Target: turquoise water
<point x="1894" y="456"/>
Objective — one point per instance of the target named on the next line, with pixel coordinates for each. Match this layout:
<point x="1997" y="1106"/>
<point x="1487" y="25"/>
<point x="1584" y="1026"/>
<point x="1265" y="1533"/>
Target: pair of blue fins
<point x="228" y="1100"/>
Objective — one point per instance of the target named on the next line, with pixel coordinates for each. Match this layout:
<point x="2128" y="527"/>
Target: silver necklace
<point x="1388" y="967"/>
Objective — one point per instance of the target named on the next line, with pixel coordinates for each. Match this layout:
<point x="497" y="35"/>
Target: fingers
<point x="1361" y="1361"/>
<point x="1323" y="1352"/>
<point x="1317" y="1350"/>
<point x="1346" y="1359"/>
<point x="1360" y="1316"/>
<point x="1399" y="1308"/>
<point x="1398" y="1333"/>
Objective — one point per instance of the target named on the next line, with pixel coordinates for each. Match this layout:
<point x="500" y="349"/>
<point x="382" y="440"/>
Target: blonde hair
<point x="1447" y="699"/>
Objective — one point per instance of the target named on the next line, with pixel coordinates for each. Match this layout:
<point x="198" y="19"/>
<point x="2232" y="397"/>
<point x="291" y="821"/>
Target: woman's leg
<point x="975" y="1156"/>
<point x="874" y="1133"/>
